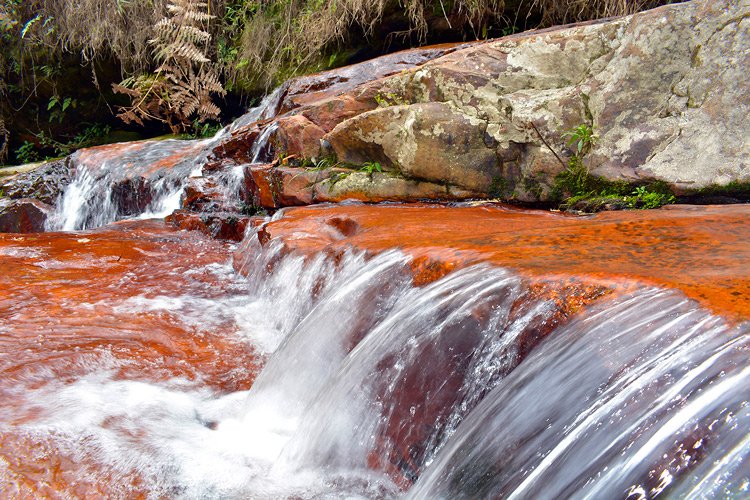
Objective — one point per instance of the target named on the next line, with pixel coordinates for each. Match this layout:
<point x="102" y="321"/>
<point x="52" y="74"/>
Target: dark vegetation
<point x="68" y="67"/>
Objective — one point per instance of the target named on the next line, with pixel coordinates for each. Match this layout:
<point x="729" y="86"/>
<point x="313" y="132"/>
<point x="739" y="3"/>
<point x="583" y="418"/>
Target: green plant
<point x="200" y="130"/>
<point x="584" y="138"/>
<point x="370" y="167"/>
<point x="45" y="148"/>
<point x="509" y="30"/>
<point x="576" y="189"/>
<point x="58" y="106"/>
<point x="645" y="198"/>
<point x="28" y="153"/>
<point x="323" y="163"/>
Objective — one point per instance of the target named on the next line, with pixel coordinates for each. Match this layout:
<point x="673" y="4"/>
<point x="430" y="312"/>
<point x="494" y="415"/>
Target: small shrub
<point x="576" y="189"/>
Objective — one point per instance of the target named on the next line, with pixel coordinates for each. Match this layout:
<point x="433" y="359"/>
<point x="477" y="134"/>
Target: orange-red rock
<point x="701" y="250"/>
<point x="298" y="136"/>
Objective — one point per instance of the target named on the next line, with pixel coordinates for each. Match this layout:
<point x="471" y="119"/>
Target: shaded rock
<point x="44" y="183"/>
<point x="23" y="215"/>
<point x="218" y="191"/>
<point x="223" y="226"/>
<point x="239" y="146"/>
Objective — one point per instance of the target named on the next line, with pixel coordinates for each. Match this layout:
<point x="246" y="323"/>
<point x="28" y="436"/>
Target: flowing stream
<point x="137" y="362"/>
<point x="371" y="387"/>
<point x="147" y="179"/>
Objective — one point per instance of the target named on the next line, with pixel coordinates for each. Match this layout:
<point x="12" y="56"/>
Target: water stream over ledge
<point x="410" y="352"/>
<point x="136" y="363"/>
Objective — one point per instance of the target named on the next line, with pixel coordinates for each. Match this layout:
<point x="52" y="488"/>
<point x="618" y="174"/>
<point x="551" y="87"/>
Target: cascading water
<point x="109" y="182"/>
<point x="374" y="388"/>
<point x="643" y="398"/>
<point x="147" y="179"/>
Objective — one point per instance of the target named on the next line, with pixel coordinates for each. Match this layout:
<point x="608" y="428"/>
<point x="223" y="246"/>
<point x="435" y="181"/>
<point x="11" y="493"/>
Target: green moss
<point x="737" y="190"/>
<point x="577" y="190"/>
<point x="498" y="187"/>
<point x="532" y="186"/>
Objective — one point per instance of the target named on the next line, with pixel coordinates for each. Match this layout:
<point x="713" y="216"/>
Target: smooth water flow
<point x="374" y="388"/>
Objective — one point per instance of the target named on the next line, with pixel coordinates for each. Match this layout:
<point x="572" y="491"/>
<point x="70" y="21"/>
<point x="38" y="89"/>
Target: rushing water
<point x="136" y="362"/>
<point x="372" y="387"/>
<point x="147" y="178"/>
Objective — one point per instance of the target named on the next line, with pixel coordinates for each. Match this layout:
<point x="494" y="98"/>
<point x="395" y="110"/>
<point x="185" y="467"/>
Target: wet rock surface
<point x="24" y="215"/>
<point x="44" y="183"/>
<point x="700" y="250"/>
<point x="567" y="263"/>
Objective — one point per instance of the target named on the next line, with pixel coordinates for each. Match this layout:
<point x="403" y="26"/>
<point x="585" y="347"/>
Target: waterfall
<point x="642" y="397"/>
<point x="126" y="180"/>
<point x="375" y="388"/>
<point x="146" y="179"/>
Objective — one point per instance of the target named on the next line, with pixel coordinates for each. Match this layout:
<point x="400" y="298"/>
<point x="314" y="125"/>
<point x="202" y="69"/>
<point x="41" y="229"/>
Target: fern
<point x="185" y="78"/>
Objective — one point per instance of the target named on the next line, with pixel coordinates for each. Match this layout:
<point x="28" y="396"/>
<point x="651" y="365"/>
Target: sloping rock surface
<point x="664" y="90"/>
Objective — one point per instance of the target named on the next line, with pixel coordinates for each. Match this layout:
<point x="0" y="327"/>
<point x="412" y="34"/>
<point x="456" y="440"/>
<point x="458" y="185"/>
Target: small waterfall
<point x="126" y="180"/>
<point x="146" y="179"/>
<point x="377" y="389"/>
<point x="643" y="397"/>
<point x="260" y="146"/>
<point x="267" y="108"/>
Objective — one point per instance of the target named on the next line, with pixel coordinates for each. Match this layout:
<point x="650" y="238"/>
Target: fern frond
<point x="121" y="89"/>
<point x="193" y="35"/>
<point x="129" y="116"/>
<point x="175" y="9"/>
<point x="209" y="110"/>
<point x="166" y="28"/>
<point x="198" y="17"/>
<point x="186" y="50"/>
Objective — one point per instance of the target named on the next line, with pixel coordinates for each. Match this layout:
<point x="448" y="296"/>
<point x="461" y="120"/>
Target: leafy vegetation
<point x="175" y="58"/>
<point x="576" y="189"/>
<point x="185" y="79"/>
<point x="370" y="168"/>
<point x="45" y="148"/>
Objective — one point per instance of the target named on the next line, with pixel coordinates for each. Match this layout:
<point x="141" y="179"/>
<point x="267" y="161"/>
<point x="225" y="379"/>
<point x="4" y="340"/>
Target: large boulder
<point x="45" y="183"/>
<point x="665" y="91"/>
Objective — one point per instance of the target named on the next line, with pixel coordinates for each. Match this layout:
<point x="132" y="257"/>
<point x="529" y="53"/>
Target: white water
<point x="641" y="397"/>
<point x="104" y="190"/>
<point x="371" y="381"/>
<point x="91" y="199"/>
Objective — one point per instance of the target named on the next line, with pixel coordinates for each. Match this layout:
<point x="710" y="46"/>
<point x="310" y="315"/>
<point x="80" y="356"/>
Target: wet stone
<point x="23" y="216"/>
<point x="44" y="183"/>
